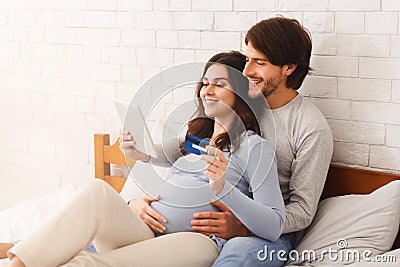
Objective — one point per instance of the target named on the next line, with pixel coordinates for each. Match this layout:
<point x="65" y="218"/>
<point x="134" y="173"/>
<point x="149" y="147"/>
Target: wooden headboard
<point x="340" y="180"/>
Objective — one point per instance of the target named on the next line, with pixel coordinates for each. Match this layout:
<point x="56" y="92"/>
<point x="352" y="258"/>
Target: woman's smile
<point x="210" y="101"/>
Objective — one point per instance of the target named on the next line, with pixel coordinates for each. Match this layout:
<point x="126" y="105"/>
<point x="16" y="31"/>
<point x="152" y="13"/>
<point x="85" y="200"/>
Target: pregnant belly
<point x="180" y="198"/>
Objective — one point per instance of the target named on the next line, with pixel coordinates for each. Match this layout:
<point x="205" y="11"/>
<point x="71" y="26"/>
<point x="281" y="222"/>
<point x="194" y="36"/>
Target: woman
<point x="249" y="189"/>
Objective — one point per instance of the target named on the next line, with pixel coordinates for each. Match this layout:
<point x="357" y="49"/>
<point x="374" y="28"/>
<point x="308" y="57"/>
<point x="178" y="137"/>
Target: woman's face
<point x="216" y="94"/>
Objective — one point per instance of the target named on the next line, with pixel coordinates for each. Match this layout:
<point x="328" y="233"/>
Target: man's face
<point x="265" y="78"/>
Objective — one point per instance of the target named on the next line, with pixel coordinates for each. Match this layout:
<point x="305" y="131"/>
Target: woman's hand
<point x="126" y="145"/>
<point x="152" y="218"/>
<point x="216" y="169"/>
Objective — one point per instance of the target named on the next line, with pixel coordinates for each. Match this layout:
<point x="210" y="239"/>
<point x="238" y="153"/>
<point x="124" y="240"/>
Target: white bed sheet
<point x="16" y="222"/>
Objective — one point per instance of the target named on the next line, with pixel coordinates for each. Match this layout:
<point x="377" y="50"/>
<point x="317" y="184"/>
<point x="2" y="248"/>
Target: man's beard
<point x="271" y="86"/>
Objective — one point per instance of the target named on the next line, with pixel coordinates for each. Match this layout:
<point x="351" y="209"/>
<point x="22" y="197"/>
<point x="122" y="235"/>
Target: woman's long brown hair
<point x="202" y="126"/>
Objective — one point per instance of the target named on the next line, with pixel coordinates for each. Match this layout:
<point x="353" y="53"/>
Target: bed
<point x="342" y="182"/>
<point x="16" y="222"/>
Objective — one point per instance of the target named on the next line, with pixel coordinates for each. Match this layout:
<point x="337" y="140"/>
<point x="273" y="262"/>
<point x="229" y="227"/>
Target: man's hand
<point x="151" y="217"/>
<point x="222" y="224"/>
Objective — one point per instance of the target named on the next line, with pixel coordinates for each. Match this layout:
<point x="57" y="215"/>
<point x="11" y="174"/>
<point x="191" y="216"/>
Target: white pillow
<point x="366" y="223"/>
<point x="130" y="190"/>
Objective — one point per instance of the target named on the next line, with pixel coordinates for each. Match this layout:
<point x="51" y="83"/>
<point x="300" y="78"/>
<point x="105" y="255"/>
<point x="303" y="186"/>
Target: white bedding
<point x="16" y="222"/>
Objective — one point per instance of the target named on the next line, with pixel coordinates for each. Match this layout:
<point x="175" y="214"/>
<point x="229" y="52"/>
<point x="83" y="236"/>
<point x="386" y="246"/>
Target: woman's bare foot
<point x="4" y="247"/>
<point x="16" y="262"/>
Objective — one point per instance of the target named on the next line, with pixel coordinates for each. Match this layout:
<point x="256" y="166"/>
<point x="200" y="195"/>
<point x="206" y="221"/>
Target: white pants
<point x="121" y="238"/>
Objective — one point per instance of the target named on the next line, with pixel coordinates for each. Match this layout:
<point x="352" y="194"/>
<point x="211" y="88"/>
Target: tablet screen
<point x="133" y="120"/>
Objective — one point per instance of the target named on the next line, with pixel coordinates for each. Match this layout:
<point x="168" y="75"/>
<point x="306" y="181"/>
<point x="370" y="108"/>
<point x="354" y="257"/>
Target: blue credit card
<point x="195" y="145"/>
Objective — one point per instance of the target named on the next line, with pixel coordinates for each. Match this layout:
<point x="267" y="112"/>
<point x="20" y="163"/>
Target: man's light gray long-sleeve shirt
<point x="303" y="146"/>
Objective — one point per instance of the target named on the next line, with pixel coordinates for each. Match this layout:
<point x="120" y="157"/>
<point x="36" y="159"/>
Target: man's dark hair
<point x="283" y="41"/>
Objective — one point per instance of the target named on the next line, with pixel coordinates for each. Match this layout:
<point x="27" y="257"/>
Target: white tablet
<point x="136" y="125"/>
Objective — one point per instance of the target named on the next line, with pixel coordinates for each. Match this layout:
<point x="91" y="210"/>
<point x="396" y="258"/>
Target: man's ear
<point x="289" y="68"/>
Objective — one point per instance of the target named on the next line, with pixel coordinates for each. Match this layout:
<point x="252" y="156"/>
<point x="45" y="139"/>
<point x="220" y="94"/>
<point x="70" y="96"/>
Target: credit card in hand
<point x="195" y="145"/>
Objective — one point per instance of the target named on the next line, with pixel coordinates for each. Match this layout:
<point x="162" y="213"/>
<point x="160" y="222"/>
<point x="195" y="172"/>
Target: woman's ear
<point x="289" y="68"/>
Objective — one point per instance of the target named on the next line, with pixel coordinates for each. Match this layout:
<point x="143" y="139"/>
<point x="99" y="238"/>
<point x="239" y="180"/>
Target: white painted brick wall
<point x="396" y="91"/>
<point x="395" y="46"/>
<point x="138" y="38"/>
<point x="343" y="131"/>
<point x="182" y="56"/>
<point x="303" y="5"/>
<point x="193" y="20"/>
<point x="376" y="112"/>
<point x="62" y="63"/>
<point x="154" y="57"/>
<point x="159" y="20"/>
<point x="393" y="135"/>
<point x="324" y="44"/>
<point x="161" y="5"/>
<point x="334" y="108"/>
<point x="319" y="22"/>
<point x="126" y="20"/>
<point x="385" y="157"/>
<point x="370" y="133"/>
<point x="167" y="39"/>
<point x="335" y="66"/>
<point x="364" y="5"/>
<point x="234" y="21"/>
<point x="71" y="5"/>
<point x="100" y="19"/>
<point x="85" y="104"/>
<point x="204" y="55"/>
<point x="189" y="39"/>
<point x="364" y="45"/>
<point x="254" y="5"/>
<point x="211" y="5"/>
<point x="381" y="68"/>
<point x="349" y="22"/>
<point x="130" y="73"/>
<point x="226" y="40"/>
<point x="390" y="5"/>
<point x="351" y="153"/>
<point x="102" y="5"/>
<point x="74" y="52"/>
<point x="178" y="5"/>
<point x="105" y="72"/>
<point x="381" y="23"/>
<point x="364" y="89"/>
<point x="320" y="86"/>
<point x="92" y="53"/>
<point x="74" y="69"/>
<point x="135" y="5"/>
<point x="118" y="55"/>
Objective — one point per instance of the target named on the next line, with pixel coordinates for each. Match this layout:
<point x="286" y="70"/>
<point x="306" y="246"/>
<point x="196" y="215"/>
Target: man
<point x="278" y="56"/>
